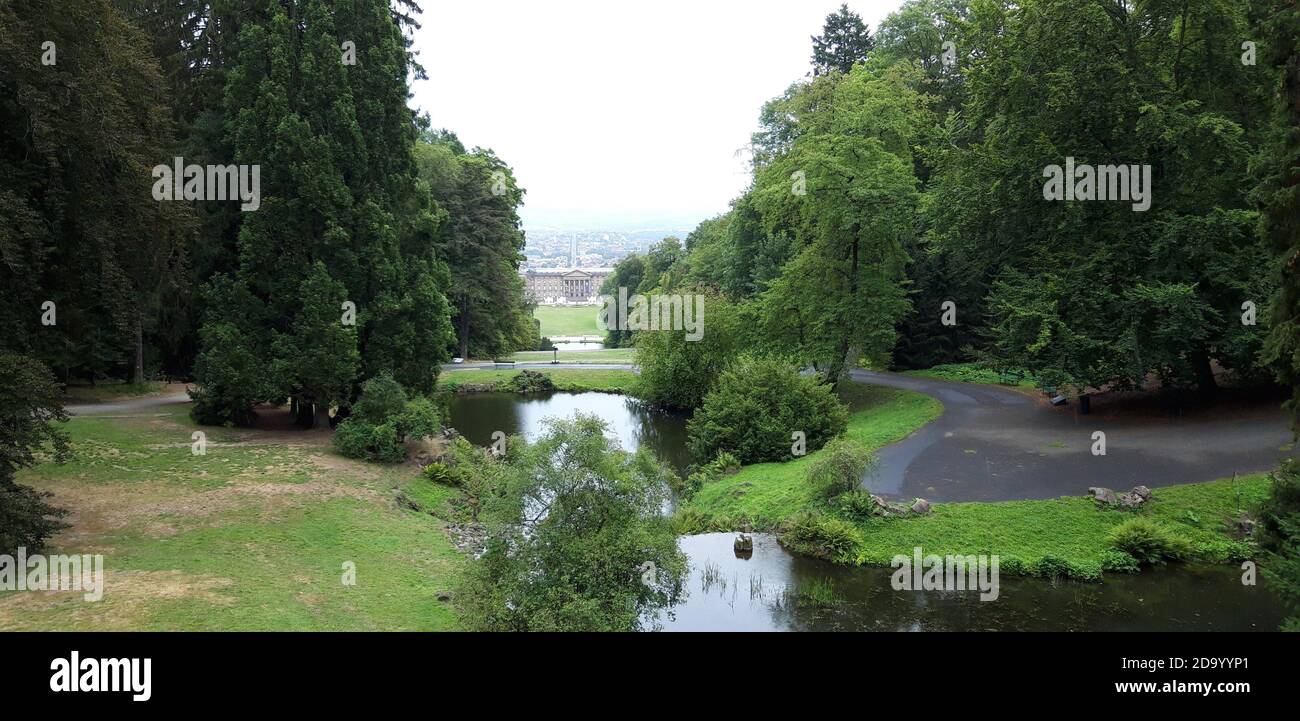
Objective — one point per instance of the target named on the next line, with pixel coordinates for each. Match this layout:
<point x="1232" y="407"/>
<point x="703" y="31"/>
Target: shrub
<point x="29" y="410"/>
<point x="1148" y="542"/>
<point x="856" y="504"/>
<point x="382" y="420"/>
<point x="439" y="473"/>
<point x="756" y="406"/>
<point x="1278" y="535"/>
<point x="531" y="382"/>
<point x="838" y="468"/>
<point x="821" y="536"/>
<point x="677" y="372"/>
<point x="1113" y="559"/>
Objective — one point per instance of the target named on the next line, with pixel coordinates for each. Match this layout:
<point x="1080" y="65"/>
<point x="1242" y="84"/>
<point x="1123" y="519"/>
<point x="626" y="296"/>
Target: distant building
<point x="560" y="286"/>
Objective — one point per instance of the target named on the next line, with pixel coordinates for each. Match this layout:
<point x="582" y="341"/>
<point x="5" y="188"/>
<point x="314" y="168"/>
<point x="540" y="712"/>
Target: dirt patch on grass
<point x="129" y="597"/>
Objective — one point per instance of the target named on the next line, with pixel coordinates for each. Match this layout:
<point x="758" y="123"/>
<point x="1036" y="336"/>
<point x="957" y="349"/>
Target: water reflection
<point x="634" y="424"/>
<point x="763" y="593"/>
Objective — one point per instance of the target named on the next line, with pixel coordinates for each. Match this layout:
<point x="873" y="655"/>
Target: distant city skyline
<point x="617" y="116"/>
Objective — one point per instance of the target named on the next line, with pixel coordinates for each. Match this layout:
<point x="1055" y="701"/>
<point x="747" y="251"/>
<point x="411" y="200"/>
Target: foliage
<point x="677" y="372"/>
<point x="382" y="420"/>
<point x="576" y="539"/>
<point x="1278" y="535"/>
<point x="29" y="410"/>
<point x="845" y="40"/>
<point x="1149" y="542"/>
<point x="757" y="406"/>
<point x="531" y="382"/>
<point x="839" y="468"/>
<point x="821" y="536"/>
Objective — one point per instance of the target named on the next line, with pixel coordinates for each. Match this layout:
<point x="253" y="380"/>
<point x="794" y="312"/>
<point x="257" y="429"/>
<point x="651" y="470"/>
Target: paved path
<point x="995" y="444"/>
<point x="172" y="395"/>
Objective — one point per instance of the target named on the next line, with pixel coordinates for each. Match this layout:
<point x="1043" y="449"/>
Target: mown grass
<point x="565" y="379"/>
<point x="567" y="320"/>
<point x="763" y="495"/>
<point x="253" y="535"/>
<point x="600" y="355"/>
<point x="1065" y="534"/>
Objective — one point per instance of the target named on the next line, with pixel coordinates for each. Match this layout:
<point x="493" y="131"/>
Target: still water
<point x="726" y="593"/>
<point x="760" y="593"/>
<point x="478" y="415"/>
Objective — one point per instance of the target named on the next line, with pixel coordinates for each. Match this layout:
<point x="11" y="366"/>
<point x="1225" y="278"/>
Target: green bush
<point x="1113" y="559"/>
<point x="838" y="468"/>
<point x="677" y="372"/>
<point x="755" y="408"/>
<point x="1278" y="535"/>
<point x="856" y="505"/>
<point x="439" y="473"/>
<point x="531" y="382"/>
<point x="382" y="420"/>
<point x="1148" y="541"/>
<point x="821" y="536"/>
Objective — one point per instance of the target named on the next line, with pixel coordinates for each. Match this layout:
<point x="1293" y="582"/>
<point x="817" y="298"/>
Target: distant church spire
<point x="573" y="251"/>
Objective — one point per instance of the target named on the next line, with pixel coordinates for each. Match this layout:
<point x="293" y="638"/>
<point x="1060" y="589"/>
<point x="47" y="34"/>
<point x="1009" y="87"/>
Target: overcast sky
<point x="617" y="114"/>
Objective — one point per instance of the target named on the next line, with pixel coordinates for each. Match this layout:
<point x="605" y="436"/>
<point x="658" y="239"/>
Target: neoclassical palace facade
<point x="564" y="285"/>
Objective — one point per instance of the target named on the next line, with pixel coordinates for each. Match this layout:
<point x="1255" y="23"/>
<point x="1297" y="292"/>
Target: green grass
<point x="565" y="379"/>
<point x="1070" y="530"/>
<point x="603" y="355"/>
<point x="252" y="535"/>
<point x="765" y="494"/>
<point x="567" y="320"/>
<point x="110" y="390"/>
<point x="973" y="373"/>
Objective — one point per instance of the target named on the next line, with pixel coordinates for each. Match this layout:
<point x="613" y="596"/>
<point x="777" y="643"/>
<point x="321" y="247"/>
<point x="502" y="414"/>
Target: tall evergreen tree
<point x="845" y="40"/>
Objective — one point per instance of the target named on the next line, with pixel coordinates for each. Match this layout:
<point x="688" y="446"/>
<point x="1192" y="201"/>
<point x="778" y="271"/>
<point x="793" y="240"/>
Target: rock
<point x="744" y="542"/>
<point x="921" y="507"/>
<point x="444" y="596"/>
<point x="423" y="458"/>
<point x="1242" y="526"/>
<point x="1142" y="492"/>
<point x="1103" y="496"/>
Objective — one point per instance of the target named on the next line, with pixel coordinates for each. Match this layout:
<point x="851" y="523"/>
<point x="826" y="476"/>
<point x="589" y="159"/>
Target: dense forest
<point x="896" y="212"/>
<point x="361" y="202"/>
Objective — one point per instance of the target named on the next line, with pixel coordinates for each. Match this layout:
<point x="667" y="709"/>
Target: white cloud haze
<point x="616" y="114"/>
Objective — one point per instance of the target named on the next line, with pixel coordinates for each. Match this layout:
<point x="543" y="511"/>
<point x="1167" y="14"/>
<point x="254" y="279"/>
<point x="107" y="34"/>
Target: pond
<point x="761" y="593"/>
<point x="578" y="345"/>
<point x="478" y="415"/>
<point x="726" y="593"/>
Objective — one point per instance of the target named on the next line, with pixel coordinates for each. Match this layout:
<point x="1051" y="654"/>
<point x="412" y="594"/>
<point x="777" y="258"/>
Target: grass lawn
<point x="565" y="379"/>
<point x="764" y="494"/>
<point x="603" y="355"/>
<point x="1072" y="531"/>
<point x="253" y="535"/>
<point x="110" y="390"/>
<point x="568" y="320"/>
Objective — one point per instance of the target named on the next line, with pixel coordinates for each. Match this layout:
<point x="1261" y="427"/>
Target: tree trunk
<point x="1205" y="382"/>
<point x="137" y="373"/>
<point x="464" y="326"/>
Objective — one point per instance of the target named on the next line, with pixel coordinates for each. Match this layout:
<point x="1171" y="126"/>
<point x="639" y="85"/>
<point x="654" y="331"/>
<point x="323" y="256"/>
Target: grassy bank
<point x="1065" y="536"/>
<point x="105" y="391"/>
<point x="602" y="355"/>
<point x="253" y="535"/>
<point x="565" y="379"/>
<point x="567" y="320"/>
<point x="763" y="495"/>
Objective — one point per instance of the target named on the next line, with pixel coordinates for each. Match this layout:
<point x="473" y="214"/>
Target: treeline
<point x="897" y="209"/>
<point x="363" y="207"/>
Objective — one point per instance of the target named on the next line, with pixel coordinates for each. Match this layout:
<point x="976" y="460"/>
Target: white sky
<point x="617" y="114"/>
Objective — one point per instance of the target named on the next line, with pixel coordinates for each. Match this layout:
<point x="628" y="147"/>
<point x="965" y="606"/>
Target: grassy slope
<point x="603" y="355"/>
<point x="764" y="494"/>
<point x="568" y="320"/>
<point x="111" y="390"/>
<point x="251" y="536"/>
<point x="565" y="379"/>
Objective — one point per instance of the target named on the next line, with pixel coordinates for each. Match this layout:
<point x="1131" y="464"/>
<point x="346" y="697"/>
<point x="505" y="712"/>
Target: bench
<point x="504" y="364"/>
